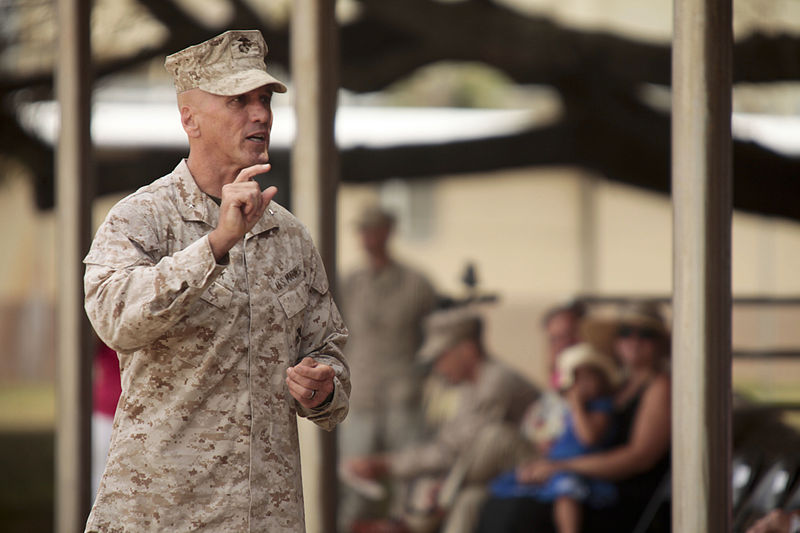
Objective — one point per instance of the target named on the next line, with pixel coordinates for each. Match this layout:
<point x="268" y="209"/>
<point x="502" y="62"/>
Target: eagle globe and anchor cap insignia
<point x="244" y="47"/>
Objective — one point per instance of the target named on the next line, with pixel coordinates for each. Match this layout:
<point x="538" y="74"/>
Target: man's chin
<point x="259" y="157"/>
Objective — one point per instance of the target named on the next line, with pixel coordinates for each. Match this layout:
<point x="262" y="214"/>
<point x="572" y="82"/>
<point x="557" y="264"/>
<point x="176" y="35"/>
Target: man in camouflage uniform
<point x="384" y="304"/>
<point x="218" y="305"/>
<point x="492" y="393"/>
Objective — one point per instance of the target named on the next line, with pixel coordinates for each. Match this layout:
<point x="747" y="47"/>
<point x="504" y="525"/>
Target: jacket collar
<point x="195" y="205"/>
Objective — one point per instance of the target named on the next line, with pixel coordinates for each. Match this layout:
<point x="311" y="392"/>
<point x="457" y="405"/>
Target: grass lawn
<point x="27" y="406"/>
<point x="27" y="414"/>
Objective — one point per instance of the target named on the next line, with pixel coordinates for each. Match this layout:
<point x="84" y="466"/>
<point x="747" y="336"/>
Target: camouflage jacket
<point x="205" y="434"/>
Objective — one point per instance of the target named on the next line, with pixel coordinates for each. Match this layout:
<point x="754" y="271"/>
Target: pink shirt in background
<point x="107" y="383"/>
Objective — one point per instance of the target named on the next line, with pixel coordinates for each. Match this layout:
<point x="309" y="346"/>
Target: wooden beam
<point x="315" y="177"/>
<point x="701" y="188"/>
<point x="73" y="203"/>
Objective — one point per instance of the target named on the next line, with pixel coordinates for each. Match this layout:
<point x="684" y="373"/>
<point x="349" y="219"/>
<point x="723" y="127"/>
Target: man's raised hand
<point x="243" y="203"/>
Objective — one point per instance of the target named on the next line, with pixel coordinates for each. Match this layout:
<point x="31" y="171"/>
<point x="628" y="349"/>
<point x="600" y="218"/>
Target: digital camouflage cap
<point x="228" y="64"/>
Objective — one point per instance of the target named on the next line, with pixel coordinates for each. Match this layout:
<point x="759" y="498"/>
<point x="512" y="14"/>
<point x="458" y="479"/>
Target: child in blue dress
<point x="587" y="380"/>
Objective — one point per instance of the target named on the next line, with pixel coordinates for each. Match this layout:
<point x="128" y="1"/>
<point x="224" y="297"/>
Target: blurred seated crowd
<point x="586" y="454"/>
<point x="589" y="453"/>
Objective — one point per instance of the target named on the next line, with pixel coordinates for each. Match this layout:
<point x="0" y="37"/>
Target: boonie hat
<point x="644" y="315"/>
<point x="228" y="64"/>
<point x="585" y="354"/>
<point x="445" y="329"/>
<point x="602" y="330"/>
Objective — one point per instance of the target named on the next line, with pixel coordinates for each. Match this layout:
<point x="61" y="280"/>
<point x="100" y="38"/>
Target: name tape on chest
<point x="289" y="278"/>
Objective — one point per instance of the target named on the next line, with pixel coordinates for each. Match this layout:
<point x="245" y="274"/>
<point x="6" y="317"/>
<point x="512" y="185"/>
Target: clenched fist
<point x="310" y="382"/>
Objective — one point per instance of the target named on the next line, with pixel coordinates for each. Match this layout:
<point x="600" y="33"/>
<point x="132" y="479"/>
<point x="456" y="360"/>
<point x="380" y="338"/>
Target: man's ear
<point x="189" y="121"/>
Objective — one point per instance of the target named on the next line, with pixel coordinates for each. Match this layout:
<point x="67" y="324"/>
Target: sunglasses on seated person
<point x="641" y="333"/>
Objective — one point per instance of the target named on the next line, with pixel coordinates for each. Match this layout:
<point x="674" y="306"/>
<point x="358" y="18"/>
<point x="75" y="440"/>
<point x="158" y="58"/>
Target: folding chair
<point x="769" y="493"/>
<point x="793" y="500"/>
<point x="745" y="468"/>
<point x="660" y="500"/>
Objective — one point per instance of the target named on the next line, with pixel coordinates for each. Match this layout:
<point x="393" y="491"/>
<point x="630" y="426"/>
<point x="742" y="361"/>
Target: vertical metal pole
<point x="315" y="176"/>
<point x="701" y="187"/>
<point x="73" y="202"/>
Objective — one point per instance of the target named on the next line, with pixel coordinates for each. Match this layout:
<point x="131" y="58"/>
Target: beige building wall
<point x="27" y="284"/>
<point x="28" y="280"/>
<point x="519" y="227"/>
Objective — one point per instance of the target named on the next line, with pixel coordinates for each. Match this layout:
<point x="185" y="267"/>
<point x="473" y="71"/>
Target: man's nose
<point x="260" y="113"/>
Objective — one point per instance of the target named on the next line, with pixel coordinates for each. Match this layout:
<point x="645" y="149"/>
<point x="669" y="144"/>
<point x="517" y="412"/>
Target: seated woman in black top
<point x="639" y="460"/>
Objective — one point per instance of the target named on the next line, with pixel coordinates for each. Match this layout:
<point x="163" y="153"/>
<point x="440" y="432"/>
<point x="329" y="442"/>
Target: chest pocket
<point x="292" y="290"/>
<point x="220" y="292"/>
<point x="218" y="295"/>
<point x="294" y="300"/>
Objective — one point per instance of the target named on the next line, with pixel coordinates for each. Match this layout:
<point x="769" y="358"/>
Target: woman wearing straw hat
<point x="636" y="463"/>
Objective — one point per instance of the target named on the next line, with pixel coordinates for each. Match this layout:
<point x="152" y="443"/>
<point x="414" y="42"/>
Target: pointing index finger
<point x="249" y="173"/>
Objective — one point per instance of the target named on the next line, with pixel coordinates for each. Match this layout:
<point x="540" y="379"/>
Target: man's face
<point x="235" y="130"/>
<point x="375" y="238"/>
<point x="562" y="332"/>
<point x="456" y="363"/>
<point x="590" y="381"/>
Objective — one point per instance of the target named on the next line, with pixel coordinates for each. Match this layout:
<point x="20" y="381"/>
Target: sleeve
<point x="132" y="294"/>
<point x="324" y="336"/>
<point x="433" y="457"/>
<point x="428" y="297"/>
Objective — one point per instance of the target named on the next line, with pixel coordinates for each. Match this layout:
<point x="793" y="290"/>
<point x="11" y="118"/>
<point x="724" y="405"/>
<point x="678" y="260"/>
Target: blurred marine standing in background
<point x="384" y="304"/>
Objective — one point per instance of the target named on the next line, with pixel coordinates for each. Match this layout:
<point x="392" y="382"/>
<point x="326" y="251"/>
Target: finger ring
<point x="313" y="393"/>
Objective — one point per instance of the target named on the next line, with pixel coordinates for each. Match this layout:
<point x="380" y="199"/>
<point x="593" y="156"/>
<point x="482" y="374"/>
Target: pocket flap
<point x="292" y="301"/>
<point x="218" y="295"/>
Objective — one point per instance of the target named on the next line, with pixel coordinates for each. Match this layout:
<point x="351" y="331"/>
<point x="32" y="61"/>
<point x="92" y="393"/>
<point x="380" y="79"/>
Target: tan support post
<point x="315" y="176"/>
<point x="701" y="188"/>
<point x="73" y="203"/>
